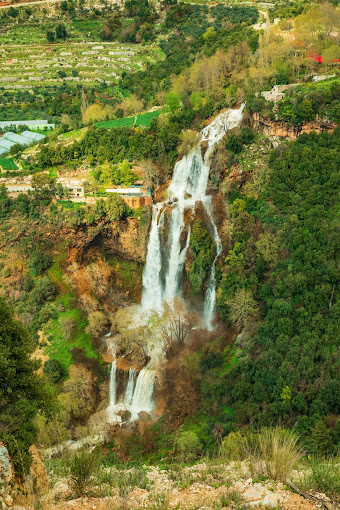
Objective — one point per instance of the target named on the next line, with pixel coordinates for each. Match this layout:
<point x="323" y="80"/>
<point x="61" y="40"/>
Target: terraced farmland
<point x="24" y="66"/>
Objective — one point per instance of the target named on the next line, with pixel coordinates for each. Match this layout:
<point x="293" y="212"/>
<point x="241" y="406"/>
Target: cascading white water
<point x="210" y="295"/>
<point x="142" y="396"/>
<point x="189" y="185"/>
<point x="112" y="387"/>
<point x="163" y="269"/>
<point x="130" y="387"/>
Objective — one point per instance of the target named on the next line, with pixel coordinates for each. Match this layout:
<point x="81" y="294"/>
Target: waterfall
<point x="153" y="293"/>
<point x="142" y="396"/>
<point x="210" y="296"/>
<point x="164" y="264"/>
<point x="112" y="388"/>
<point x="189" y="185"/>
<point x="130" y="387"/>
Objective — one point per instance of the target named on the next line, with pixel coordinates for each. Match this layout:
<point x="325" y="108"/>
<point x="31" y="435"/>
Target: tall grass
<point x="272" y="452"/>
<point x="82" y="467"/>
<point x="279" y="451"/>
<point x="322" y="475"/>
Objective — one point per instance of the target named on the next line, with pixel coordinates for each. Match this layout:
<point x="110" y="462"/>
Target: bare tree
<point x="173" y="325"/>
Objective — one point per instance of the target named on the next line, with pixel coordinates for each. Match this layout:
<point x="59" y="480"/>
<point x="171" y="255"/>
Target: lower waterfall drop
<point x="130" y="387"/>
<point x="112" y="388"/>
<point x="142" y="396"/>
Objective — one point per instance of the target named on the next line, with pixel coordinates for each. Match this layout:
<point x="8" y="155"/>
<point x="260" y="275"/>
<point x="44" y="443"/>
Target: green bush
<point x="233" y="144"/>
<point x="247" y="135"/>
<point x="44" y="291"/>
<point x="188" y="445"/>
<point x="38" y="262"/>
<point x="82" y="466"/>
<point x="54" y="370"/>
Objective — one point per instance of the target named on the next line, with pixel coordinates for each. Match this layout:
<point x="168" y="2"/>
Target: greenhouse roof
<point x="13" y="137"/>
<point x="6" y="123"/>
<point x="36" y="137"/>
<point x="7" y="144"/>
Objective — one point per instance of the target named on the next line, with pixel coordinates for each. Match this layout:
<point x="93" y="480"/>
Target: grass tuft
<point x="322" y="475"/>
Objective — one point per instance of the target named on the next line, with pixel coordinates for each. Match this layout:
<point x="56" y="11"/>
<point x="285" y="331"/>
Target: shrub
<point x="44" y="291"/>
<point x="82" y="466"/>
<point x="38" y="262"/>
<point x="280" y="452"/>
<point x="54" y="431"/>
<point x="98" y="324"/>
<point x="234" y="446"/>
<point x="189" y="445"/>
<point x="273" y="452"/>
<point x="247" y="135"/>
<point x="233" y="144"/>
<point x="54" y="370"/>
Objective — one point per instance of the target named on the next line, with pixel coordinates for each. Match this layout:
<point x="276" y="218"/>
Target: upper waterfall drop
<point x="163" y="271"/>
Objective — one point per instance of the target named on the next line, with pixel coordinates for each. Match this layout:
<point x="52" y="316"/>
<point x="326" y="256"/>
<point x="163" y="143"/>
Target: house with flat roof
<point x="75" y="187"/>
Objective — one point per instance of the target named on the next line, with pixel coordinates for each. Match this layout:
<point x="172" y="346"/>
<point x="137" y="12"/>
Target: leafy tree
<point x="173" y="101"/>
<point x="12" y="12"/>
<point x="22" y="391"/>
<point x="54" y="370"/>
<point x="116" y="208"/>
<point x="233" y="144"/>
<point x="43" y="183"/>
<point x="50" y="36"/>
<point x="203" y="251"/>
<point x="60" y="31"/>
<point x="247" y="135"/>
<point x="188" y="444"/>
<point x="38" y="262"/>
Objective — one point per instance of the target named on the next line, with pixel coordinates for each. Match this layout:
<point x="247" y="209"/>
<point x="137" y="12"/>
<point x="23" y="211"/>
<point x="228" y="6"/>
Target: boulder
<point x="272" y="500"/>
<point x="254" y="493"/>
<point x="60" y="489"/>
<point x="144" y="416"/>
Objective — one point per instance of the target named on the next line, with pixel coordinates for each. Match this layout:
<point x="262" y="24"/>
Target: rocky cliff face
<point x="126" y="239"/>
<point x="27" y="491"/>
<point x="280" y="128"/>
<point x="6" y="477"/>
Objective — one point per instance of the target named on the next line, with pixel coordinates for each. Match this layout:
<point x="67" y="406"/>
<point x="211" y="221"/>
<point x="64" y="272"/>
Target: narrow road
<point x="266" y="15"/>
